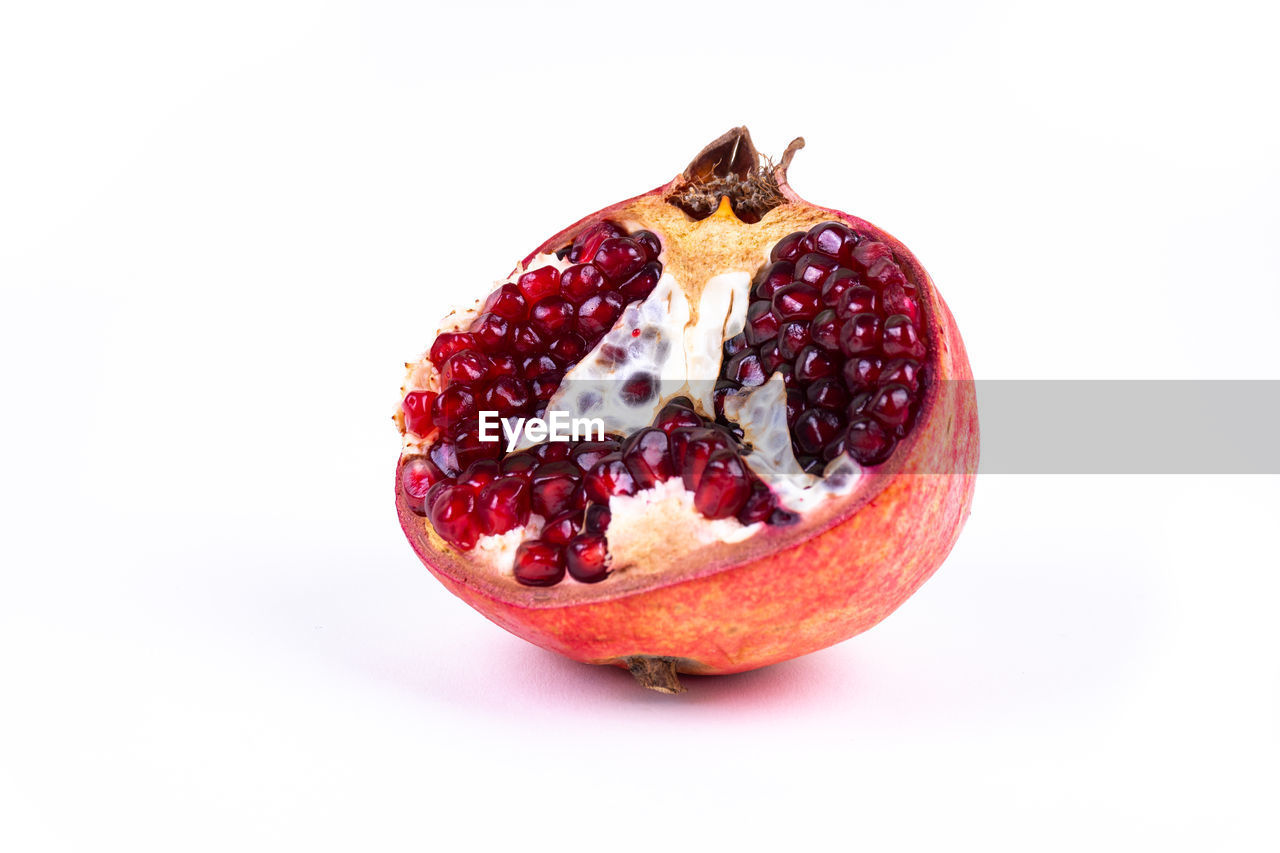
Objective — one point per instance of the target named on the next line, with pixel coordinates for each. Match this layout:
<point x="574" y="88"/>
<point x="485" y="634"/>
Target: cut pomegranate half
<point x="784" y="432"/>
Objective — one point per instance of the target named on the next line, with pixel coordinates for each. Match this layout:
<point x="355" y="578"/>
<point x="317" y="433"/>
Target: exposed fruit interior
<point x="831" y="316"/>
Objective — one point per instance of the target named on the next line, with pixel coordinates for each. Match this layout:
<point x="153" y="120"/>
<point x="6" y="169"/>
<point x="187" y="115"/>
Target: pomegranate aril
<point x="519" y="465"/>
<point x="598" y="314"/>
<point x="901" y="338"/>
<point x="745" y="369"/>
<point x="827" y="394"/>
<point x="504" y="505"/>
<point x="824" y="329"/>
<point x="885" y="273"/>
<point x="722" y="485"/>
<point x="526" y="341"/>
<point x="587" y="557"/>
<point x="692" y="448"/>
<point x="507" y="396"/>
<point x="815" y="428"/>
<point x="723" y="388"/>
<point x="551" y="317"/>
<point x="453" y="515"/>
<point x="788" y="248"/>
<point x="444" y="455"/>
<point x="867" y="254"/>
<point x="860" y="334"/>
<point x="539" y="563"/>
<point x="587" y="453"/>
<point x="771" y="358"/>
<point x="796" y="301"/>
<point x="585" y="245"/>
<point x="455" y="405"/>
<point x="837" y="284"/>
<point x="812" y="363"/>
<point x="813" y="269"/>
<point x="580" y="282"/>
<point x="735" y="345"/>
<point x="902" y="372"/>
<point x="761" y="322"/>
<point x="544" y="386"/>
<point x="834" y="239"/>
<point x="647" y="455"/>
<point x="773" y="277"/>
<point x="619" y="258"/>
<point x="465" y="368"/>
<point x="480" y="474"/>
<point x="568" y="349"/>
<point x="449" y="343"/>
<point x="795" y="405"/>
<point x="507" y="302"/>
<point x="553" y="451"/>
<point x="417" y="411"/>
<point x="788" y="374"/>
<point x="675" y="415"/>
<point x="607" y="478"/>
<point x="554" y="484"/>
<point x="562" y="528"/>
<point x="502" y="364"/>
<point x="539" y="284"/>
<point x="469" y="448"/>
<point x="534" y="366"/>
<point x="861" y="373"/>
<point x="492" y="332"/>
<point x="891" y="406"/>
<point x="642" y="283"/>
<point x="793" y="337"/>
<point x="859" y="299"/>
<point x="867" y="442"/>
<point x="759" y="505"/>
<point x="597" y="518"/>
<point x="417" y="475"/>
<point x="648" y="243"/>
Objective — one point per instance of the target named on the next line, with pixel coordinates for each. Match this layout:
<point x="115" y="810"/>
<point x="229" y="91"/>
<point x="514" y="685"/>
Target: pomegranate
<point x="778" y="430"/>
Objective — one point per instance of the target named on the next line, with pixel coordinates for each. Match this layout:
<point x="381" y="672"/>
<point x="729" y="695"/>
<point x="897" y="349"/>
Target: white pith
<point x="689" y="368"/>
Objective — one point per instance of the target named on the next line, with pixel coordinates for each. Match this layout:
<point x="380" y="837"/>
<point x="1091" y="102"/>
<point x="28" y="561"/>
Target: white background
<point x="223" y="229"/>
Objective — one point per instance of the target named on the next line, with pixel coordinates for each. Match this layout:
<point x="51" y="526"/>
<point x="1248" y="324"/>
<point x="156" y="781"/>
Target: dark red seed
<point x="861" y="373"/>
<point x="788" y="373"/>
<point x="901" y="339"/>
<point x="507" y="302"/>
<point x="777" y="275"/>
<point x="465" y="368"/>
<point x="771" y="358"/>
<point x="417" y="411"/>
<point x="885" y="273"/>
<point x="788" y="248"/>
<point x="598" y="518"/>
<point x="586" y="243"/>
<point x="675" y="415"/>
<point x="562" y="528"/>
<point x="795" y="405"/>
<point x="619" y="258"/>
<point x="793" y="336"/>
<point x="519" y="465"/>
<point x="902" y="372"/>
<point x="535" y="365"/>
<point x="858" y="300"/>
<point x="553" y="486"/>
<point x="723" y="388"/>
<point x="891" y="406"/>
<point x="449" y="343"/>
<point x="825" y="330"/>
<point x="834" y="239"/>
<point x="480" y="474"/>
<point x="598" y="314"/>
<point x="761" y="322"/>
<point x="813" y="269"/>
<point x="507" y="396"/>
<point x="745" y="369"/>
<point x="580" y="282"/>
<point x="642" y="283"/>
<point x="538" y="284"/>
<point x="588" y="558"/>
<point x="649" y="244"/>
<point x="543" y="387"/>
<point x="759" y="505"/>
<point x="551" y="317"/>
<point x="417" y="475"/>
<point x="836" y="284"/>
<point x="896" y="301"/>
<point x="723" y="486"/>
<point x="868" y="253"/>
<point x="568" y="349"/>
<point x="814" y="428"/>
<point x="828" y="394"/>
<point x="553" y="451"/>
<point x="796" y="302"/>
<point x="814" y="363"/>
<point x="491" y="331"/>
<point x="607" y="478"/>
<point x="504" y="505"/>
<point x="690" y="450"/>
<point x="647" y="455"/>
<point x="455" y="405"/>
<point x="453" y="515"/>
<point x="525" y="341"/>
<point x="502" y="365"/>
<point x="539" y="563"/>
<point x="638" y="389"/>
<point x="470" y="448"/>
<point x="444" y="455"/>
<point x="860" y="334"/>
<point x="735" y="345"/>
<point x="587" y="453"/>
<point x="867" y="442"/>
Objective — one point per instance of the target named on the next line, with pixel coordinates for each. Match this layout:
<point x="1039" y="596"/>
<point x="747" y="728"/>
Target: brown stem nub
<point x="655" y="673"/>
<point x="732" y="168"/>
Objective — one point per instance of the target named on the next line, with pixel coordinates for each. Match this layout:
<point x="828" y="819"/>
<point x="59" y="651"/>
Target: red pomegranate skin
<point x="779" y="599"/>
